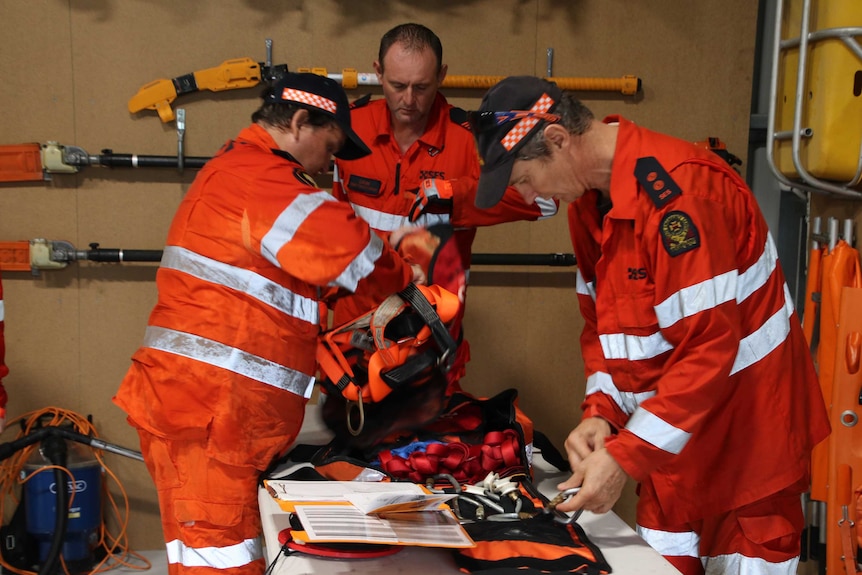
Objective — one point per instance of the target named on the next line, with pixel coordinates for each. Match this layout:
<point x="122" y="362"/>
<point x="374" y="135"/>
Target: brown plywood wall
<point x="69" y="67"/>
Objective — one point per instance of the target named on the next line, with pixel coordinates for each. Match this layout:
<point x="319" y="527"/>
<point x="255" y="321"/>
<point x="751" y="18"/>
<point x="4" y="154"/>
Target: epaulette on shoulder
<point x="459" y="116"/>
<point x="656" y="181"/>
<point x="360" y="101"/>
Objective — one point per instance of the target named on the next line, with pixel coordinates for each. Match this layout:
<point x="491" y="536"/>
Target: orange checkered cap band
<point x="295" y="95"/>
<point x="523" y="127"/>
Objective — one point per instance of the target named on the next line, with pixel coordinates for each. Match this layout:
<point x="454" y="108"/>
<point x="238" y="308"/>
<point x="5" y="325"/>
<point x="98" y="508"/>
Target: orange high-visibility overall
<point x="694" y="353"/>
<point x="219" y="386"/>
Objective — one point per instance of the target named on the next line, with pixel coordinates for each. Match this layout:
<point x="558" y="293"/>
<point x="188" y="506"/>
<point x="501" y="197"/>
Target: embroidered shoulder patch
<point x="678" y="233"/>
<point x="303" y="177"/>
<point x="656" y="181"/>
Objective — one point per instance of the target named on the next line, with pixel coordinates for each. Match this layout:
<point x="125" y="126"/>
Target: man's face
<point x="551" y="178"/>
<point x="410" y="80"/>
<point x="316" y="145"/>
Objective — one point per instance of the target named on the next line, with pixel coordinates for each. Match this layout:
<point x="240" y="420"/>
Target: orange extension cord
<point x="115" y="545"/>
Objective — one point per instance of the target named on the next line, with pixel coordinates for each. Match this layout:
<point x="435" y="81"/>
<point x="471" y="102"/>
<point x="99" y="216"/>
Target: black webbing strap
<point x="444" y="340"/>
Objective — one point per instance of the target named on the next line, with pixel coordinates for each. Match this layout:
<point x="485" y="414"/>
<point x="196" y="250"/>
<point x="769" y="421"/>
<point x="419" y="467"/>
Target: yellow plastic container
<point x="832" y="109"/>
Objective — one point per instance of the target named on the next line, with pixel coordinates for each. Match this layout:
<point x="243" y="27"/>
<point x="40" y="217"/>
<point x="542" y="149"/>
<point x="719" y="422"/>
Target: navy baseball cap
<point x="510" y="113"/>
<point x="320" y="94"/>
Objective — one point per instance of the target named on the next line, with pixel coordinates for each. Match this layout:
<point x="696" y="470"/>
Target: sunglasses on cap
<point x="486" y="121"/>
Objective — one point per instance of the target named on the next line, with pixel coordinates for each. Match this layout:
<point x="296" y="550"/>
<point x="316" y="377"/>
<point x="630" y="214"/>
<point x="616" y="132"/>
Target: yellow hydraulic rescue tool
<point x="246" y="73"/>
<point x="229" y="75"/>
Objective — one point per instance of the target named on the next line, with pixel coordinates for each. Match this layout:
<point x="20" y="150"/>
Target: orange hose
<point x="628" y="85"/>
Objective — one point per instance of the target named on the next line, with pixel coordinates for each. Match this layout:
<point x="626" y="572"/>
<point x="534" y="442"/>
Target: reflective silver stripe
<point x="752" y="348"/>
<point x="697" y="298"/>
<point x="361" y="266"/>
<point x="757" y="275"/>
<point x="386" y="222"/>
<point x="380" y="220"/>
<point x="428" y="220"/>
<point x="657" y="431"/>
<point x="628" y="402"/>
<point x="230" y="358"/>
<point x="2" y="311"/>
<point x="547" y="208"/>
<point x="633" y="347"/>
<point x="718" y="290"/>
<point x="770" y="335"/>
<point x="288" y="221"/>
<point x="694" y="299"/>
<point x="742" y="565"/>
<point x="584" y="288"/>
<point x="237" y="555"/>
<point x="672" y="544"/>
<point x="242" y="280"/>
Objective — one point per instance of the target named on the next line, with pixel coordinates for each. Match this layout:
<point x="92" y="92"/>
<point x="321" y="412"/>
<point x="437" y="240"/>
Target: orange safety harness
<point x="400" y="343"/>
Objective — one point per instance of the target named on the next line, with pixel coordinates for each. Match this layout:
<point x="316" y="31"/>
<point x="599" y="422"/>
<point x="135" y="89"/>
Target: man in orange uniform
<point x="255" y="250"/>
<point x="423" y="166"/>
<point x="700" y="385"/>
<point x="4" y="371"/>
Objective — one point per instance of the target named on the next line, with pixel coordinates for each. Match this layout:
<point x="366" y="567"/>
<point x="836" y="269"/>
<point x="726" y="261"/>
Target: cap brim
<point x="354" y="148"/>
<point x="493" y="183"/>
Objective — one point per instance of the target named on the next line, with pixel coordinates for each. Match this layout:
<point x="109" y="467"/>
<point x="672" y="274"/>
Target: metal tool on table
<point x="562" y="497"/>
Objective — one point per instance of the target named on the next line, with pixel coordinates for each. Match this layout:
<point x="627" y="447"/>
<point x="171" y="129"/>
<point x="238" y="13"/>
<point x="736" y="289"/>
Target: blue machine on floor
<point x="84" y="515"/>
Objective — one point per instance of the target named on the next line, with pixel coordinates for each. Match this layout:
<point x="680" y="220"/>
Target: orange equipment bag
<point x="526" y="538"/>
<point x="530" y="546"/>
<point x="387" y="395"/>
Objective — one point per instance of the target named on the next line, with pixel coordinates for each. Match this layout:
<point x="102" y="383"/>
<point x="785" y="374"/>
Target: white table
<point x="623" y="549"/>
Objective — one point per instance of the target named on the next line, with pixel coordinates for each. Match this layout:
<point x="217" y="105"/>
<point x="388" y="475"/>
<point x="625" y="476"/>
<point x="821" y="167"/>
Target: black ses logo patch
<point x="303" y="177"/>
<point x="364" y="185"/>
<point x="678" y="233"/>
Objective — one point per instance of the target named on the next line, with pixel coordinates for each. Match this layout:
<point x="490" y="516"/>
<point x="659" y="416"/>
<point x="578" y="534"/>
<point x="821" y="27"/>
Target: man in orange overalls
<point x="423" y="166"/>
<point x="700" y="385"/>
<point x="254" y="255"/>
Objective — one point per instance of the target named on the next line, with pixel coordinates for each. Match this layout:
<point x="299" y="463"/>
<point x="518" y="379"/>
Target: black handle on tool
<point x="557" y="260"/>
<point x="111" y="160"/>
<point x="97" y="254"/>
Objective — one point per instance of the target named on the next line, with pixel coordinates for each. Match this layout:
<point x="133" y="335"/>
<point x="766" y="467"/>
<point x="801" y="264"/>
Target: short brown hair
<point x="415" y="37"/>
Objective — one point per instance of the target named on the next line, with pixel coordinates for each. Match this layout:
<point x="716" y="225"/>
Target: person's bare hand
<point x="587" y="437"/>
<point x="601" y="480"/>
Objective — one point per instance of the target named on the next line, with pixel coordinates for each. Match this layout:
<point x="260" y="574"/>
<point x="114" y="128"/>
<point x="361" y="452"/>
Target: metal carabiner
<point x="562" y="496"/>
<point x="349" y="407"/>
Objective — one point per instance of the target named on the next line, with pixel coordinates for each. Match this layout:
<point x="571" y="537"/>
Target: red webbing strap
<point x="501" y="450"/>
<point x="466" y="463"/>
